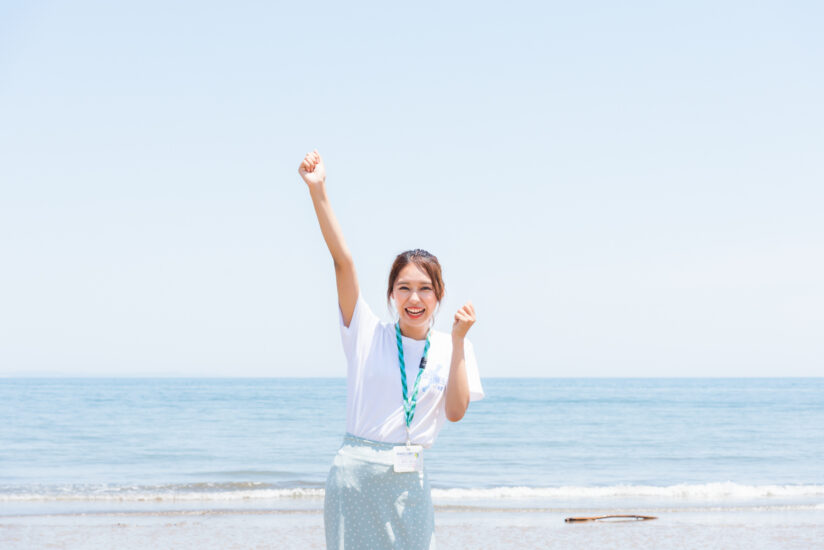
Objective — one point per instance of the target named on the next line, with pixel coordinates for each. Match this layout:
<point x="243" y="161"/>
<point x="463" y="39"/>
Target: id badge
<point x="408" y="458"/>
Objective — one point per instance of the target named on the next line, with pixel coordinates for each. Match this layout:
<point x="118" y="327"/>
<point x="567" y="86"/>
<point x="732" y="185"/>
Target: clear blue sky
<point x="622" y="190"/>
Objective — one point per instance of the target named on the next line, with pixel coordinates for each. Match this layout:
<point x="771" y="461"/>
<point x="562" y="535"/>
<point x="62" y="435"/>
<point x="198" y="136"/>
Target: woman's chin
<point x="423" y="322"/>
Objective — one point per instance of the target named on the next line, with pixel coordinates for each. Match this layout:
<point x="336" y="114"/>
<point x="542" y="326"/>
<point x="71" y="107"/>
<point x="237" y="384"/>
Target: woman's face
<point x="414" y="297"/>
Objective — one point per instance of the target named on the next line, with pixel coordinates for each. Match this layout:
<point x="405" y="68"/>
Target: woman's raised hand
<point x="464" y="319"/>
<point x="312" y="169"/>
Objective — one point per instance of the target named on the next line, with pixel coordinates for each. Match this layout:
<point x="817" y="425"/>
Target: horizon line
<point x="218" y="377"/>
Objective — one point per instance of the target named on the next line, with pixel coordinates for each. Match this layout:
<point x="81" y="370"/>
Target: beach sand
<point x="456" y="528"/>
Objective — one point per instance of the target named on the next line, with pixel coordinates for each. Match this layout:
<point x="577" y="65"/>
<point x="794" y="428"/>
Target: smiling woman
<point x="416" y="286"/>
<point x="404" y="380"/>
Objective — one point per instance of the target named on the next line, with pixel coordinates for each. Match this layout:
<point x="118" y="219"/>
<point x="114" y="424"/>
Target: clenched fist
<point x="464" y="319"/>
<point x="312" y="169"/>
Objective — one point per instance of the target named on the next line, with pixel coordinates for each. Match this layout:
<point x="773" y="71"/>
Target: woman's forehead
<point x="413" y="274"/>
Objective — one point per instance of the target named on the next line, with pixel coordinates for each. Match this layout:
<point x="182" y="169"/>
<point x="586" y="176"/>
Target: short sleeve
<point x="357" y="337"/>
<point x="476" y="390"/>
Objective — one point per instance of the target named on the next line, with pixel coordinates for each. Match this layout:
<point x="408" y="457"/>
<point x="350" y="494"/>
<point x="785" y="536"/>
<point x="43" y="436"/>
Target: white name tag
<point x="408" y="458"/>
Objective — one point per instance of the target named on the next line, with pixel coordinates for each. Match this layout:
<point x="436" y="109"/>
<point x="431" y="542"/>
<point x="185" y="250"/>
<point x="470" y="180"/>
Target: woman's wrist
<point x="318" y="189"/>
<point x="457" y="341"/>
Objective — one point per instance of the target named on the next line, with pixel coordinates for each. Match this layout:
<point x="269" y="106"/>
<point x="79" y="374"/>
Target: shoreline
<point x="14" y="505"/>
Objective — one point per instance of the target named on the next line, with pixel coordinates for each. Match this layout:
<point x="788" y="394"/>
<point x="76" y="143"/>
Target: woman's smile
<point x="415" y="313"/>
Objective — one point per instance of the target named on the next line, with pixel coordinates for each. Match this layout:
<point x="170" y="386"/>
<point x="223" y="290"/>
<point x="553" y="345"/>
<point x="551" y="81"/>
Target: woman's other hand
<point x="312" y="169"/>
<point x="464" y="319"/>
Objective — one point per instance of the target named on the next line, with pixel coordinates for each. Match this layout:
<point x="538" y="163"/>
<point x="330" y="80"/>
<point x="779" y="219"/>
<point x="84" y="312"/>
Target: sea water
<point x="549" y="443"/>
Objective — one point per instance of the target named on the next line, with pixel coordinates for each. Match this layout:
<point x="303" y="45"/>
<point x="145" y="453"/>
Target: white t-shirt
<point x="374" y="397"/>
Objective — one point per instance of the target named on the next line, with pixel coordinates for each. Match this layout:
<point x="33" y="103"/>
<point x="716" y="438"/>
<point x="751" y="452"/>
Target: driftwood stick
<point x="635" y="517"/>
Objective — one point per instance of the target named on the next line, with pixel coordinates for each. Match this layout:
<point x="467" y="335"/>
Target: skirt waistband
<point x="350" y="439"/>
<point x="367" y="450"/>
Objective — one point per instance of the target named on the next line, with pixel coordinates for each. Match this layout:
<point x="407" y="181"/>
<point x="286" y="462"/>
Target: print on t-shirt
<point x="432" y="380"/>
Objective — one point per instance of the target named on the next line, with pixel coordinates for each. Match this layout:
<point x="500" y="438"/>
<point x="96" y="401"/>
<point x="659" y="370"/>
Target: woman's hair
<point x="424" y="260"/>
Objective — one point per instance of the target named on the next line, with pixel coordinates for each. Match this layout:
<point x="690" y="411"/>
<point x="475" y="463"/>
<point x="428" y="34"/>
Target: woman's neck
<point x="416" y="333"/>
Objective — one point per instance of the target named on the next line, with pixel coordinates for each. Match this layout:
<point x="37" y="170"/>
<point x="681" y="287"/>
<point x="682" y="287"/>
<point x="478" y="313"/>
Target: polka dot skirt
<point x="370" y="506"/>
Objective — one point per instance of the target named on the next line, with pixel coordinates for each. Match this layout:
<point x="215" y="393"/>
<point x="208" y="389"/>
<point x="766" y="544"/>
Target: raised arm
<point x="313" y="172"/>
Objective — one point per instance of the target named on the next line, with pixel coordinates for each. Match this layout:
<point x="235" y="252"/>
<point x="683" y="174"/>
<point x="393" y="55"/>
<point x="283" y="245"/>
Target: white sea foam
<point x="726" y="491"/>
<point x="163" y="496"/>
<point x="706" y="491"/>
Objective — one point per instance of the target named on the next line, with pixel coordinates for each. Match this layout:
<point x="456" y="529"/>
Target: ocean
<point x="78" y="445"/>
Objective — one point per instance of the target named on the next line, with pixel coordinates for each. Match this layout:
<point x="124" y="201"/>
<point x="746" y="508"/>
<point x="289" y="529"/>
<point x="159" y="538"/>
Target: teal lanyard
<point x="410" y="401"/>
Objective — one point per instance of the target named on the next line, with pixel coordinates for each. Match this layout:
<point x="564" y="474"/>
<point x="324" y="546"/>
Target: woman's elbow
<point x="456" y="413"/>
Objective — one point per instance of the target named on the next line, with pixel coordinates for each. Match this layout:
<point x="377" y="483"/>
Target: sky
<point x="621" y="189"/>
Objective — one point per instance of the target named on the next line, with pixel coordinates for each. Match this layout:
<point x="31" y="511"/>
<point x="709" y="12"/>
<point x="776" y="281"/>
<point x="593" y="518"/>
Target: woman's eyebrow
<point x="407" y="282"/>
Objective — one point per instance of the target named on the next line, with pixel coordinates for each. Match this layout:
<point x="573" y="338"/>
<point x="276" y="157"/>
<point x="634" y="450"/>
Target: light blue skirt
<point x="370" y="506"/>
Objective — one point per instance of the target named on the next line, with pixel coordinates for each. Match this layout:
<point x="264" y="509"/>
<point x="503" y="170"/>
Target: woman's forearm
<point x="313" y="172"/>
<point x="329" y="226"/>
<point x="457" y="388"/>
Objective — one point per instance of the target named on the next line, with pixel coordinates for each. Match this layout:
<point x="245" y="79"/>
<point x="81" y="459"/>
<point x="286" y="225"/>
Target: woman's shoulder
<point x="444" y="339"/>
<point x="446" y="335"/>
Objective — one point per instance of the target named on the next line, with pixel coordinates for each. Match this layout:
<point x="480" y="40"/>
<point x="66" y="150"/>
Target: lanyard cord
<point x="409" y="402"/>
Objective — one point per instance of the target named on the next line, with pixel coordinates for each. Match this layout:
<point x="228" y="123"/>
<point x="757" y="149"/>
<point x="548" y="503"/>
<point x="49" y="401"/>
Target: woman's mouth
<point x="415" y="312"/>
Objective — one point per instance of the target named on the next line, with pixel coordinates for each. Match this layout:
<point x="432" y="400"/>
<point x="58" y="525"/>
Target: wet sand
<point x="455" y="529"/>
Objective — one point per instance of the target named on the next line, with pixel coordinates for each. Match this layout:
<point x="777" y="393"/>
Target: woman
<point x="403" y="381"/>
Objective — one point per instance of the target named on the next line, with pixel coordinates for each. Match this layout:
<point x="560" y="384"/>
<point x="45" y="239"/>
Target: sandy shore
<point x="456" y="529"/>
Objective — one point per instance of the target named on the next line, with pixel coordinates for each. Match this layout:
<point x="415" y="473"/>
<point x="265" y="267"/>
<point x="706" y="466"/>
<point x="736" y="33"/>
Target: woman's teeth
<point x="414" y="312"/>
